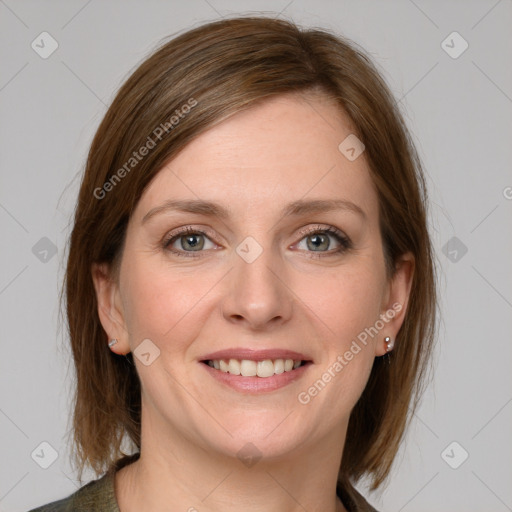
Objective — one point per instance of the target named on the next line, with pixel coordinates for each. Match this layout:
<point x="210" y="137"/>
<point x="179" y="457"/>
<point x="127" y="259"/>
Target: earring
<point x="111" y="343"/>
<point x="389" y="344"/>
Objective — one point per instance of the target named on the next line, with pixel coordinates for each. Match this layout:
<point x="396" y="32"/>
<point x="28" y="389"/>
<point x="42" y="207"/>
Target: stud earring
<point x="389" y="344"/>
<point x="111" y="343"/>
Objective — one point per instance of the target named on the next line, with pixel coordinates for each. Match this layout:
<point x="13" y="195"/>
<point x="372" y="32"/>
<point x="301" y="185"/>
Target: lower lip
<point x="257" y="385"/>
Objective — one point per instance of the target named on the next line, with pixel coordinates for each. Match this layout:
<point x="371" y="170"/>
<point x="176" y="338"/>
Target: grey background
<point x="459" y="111"/>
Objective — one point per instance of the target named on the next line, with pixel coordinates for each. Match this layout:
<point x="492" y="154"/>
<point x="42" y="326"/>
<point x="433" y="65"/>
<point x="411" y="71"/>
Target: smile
<point x="255" y="377"/>
<point x="249" y="368"/>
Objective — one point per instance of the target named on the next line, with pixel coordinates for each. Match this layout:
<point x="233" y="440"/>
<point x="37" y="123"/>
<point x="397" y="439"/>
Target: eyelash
<point x="343" y="240"/>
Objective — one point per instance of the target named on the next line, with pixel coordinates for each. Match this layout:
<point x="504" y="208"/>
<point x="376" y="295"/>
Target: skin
<point x="254" y="163"/>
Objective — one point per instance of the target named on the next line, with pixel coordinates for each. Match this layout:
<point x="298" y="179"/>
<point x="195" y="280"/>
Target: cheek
<point x="160" y="303"/>
<point x="345" y="303"/>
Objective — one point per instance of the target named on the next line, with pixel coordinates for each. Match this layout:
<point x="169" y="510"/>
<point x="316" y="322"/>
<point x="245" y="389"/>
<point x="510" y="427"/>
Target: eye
<point x="188" y="240"/>
<point x="321" y="240"/>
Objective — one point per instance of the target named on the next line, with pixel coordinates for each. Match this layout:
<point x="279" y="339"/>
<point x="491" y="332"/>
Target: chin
<point x="267" y="436"/>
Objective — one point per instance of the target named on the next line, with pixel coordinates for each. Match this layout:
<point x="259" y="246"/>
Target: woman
<point x="250" y="284"/>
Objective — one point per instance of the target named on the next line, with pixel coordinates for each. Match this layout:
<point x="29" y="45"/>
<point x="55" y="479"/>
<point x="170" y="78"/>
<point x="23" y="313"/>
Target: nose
<point x="257" y="294"/>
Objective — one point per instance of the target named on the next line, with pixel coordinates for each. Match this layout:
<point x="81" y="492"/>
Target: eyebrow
<point x="297" y="208"/>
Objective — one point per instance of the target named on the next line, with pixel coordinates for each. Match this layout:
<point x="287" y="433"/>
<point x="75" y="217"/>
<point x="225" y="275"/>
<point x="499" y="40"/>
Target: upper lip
<point x="254" y="355"/>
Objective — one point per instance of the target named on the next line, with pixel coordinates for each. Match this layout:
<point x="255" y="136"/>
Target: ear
<point x="110" y="308"/>
<point x="395" y="301"/>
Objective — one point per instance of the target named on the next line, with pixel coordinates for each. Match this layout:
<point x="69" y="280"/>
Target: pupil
<point x="192" y="241"/>
<point x="317" y="241"/>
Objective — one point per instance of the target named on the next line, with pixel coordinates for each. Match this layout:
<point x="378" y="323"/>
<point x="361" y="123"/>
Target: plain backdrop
<point x="457" y="101"/>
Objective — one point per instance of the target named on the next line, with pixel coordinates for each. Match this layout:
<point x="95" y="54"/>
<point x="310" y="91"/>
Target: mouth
<point x="251" y="368"/>
<point x="256" y="371"/>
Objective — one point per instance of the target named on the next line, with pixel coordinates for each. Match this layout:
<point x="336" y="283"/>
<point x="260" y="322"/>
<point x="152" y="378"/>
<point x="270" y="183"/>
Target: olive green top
<point x="99" y="495"/>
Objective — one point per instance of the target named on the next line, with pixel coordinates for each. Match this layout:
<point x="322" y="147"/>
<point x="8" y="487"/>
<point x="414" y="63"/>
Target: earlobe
<point x="389" y="344"/>
<point x="109" y="310"/>
<point x="395" y="303"/>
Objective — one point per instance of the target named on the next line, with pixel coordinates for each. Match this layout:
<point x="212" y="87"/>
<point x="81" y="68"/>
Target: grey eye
<point x="318" y="241"/>
<point x="193" y="242"/>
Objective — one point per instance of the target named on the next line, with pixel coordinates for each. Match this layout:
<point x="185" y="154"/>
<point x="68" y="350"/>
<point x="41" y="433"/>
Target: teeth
<point x="265" y="368"/>
<point x="279" y="366"/>
<point x="234" y="367"/>
<point x="248" y="368"/>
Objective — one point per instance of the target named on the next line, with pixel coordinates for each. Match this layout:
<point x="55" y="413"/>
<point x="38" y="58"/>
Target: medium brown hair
<point x="223" y="68"/>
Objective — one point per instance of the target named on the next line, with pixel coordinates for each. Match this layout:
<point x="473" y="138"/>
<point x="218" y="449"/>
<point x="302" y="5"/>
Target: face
<point x="260" y="241"/>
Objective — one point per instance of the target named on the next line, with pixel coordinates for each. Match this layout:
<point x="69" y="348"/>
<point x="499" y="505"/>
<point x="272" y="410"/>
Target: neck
<point x="175" y="473"/>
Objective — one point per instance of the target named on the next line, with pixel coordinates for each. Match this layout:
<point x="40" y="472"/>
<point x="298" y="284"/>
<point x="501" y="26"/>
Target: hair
<point x="186" y="86"/>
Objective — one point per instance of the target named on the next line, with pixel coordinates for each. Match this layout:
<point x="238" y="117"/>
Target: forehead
<point x="282" y="150"/>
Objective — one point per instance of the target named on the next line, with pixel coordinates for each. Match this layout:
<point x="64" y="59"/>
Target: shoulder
<point x="96" y="495"/>
<point x="352" y="499"/>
